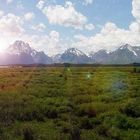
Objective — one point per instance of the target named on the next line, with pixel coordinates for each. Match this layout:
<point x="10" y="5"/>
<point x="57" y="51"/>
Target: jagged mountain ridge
<point x="21" y="53"/>
<point x="125" y="54"/>
<point x="73" y="55"/>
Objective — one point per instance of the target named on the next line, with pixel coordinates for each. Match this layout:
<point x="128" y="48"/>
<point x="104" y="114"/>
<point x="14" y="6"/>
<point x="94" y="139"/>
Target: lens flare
<point x="88" y="76"/>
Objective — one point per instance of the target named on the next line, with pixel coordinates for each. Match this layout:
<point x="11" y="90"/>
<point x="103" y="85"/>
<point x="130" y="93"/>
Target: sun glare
<point x="2" y="50"/>
<point x="3" y="45"/>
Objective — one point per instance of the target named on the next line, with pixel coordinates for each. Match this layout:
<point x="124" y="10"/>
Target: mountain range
<point x="21" y="53"/>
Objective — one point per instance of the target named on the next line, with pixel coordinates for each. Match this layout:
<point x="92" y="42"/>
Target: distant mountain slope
<point x="73" y="55"/>
<point x="125" y="54"/>
<point x="21" y="53"/>
<point x="100" y="57"/>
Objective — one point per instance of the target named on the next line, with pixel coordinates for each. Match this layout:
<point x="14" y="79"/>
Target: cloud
<point x="11" y="25"/>
<point x="40" y="27"/>
<point x="29" y="16"/>
<point x="86" y="2"/>
<point x="136" y="9"/>
<point x="9" y="1"/>
<point x="89" y="26"/>
<point x="110" y="38"/>
<point x="1" y="13"/>
<point x="51" y="44"/>
<point x="66" y="16"/>
<point x="11" y="28"/>
<point x="135" y="27"/>
<point x="20" y="5"/>
<point x="40" y="4"/>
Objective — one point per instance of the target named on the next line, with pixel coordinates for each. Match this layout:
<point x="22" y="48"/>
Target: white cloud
<point x="1" y="13"/>
<point x="40" y="4"/>
<point x="9" y="1"/>
<point x="11" y="29"/>
<point x="109" y="38"/>
<point x="86" y="2"/>
<point x="20" y="5"/>
<point x="51" y="44"/>
<point x="11" y="24"/>
<point x="135" y="27"/>
<point x="89" y="26"/>
<point x="29" y="16"/>
<point x="66" y="16"/>
<point x="40" y="27"/>
<point x="136" y="9"/>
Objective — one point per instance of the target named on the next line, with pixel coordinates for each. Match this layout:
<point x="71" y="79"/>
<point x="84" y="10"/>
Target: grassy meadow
<point x="70" y="103"/>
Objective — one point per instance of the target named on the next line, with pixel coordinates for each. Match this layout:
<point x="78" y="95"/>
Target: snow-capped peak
<point x="107" y="51"/>
<point x="20" y="47"/>
<point x="75" y="51"/>
<point x="129" y="47"/>
<point x="132" y="50"/>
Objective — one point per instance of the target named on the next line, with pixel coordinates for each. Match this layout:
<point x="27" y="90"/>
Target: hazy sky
<point x="55" y="25"/>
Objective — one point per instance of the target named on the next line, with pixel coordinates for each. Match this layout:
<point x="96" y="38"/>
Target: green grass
<point x="55" y="103"/>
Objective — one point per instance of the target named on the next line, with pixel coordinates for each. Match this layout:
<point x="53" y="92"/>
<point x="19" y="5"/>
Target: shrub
<point x="134" y="70"/>
<point x="114" y="133"/>
<point x="86" y="123"/>
<point x="92" y="109"/>
<point x="65" y="127"/>
<point x="28" y="133"/>
<point x="86" y="111"/>
<point x="60" y="75"/>
<point x="75" y="133"/>
<point x="132" y="108"/>
<point x="89" y="123"/>
<point x="103" y="130"/>
<point x="123" y="122"/>
<point x="51" y="113"/>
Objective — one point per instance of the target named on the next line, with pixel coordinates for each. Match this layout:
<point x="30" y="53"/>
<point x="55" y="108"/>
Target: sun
<point x="3" y="45"/>
<point x="2" y="50"/>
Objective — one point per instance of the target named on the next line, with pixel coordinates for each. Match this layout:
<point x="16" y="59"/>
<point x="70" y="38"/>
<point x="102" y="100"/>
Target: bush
<point x="132" y="109"/>
<point x="86" y="123"/>
<point x="65" y="127"/>
<point x="114" y="133"/>
<point x="120" y="121"/>
<point x="51" y="113"/>
<point x="75" y="133"/>
<point x="103" y="130"/>
<point x="135" y="70"/>
<point x="123" y="122"/>
<point x="92" y="109"/>
<point x="89" y="123"/>
<point x="28" y="134"/>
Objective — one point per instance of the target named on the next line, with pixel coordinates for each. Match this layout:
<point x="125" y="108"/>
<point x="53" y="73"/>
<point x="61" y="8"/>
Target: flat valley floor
<point x="70" y="103"/>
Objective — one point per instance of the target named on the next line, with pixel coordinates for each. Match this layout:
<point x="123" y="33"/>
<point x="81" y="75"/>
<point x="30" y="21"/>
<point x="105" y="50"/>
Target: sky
<point x="53" y="26"/>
